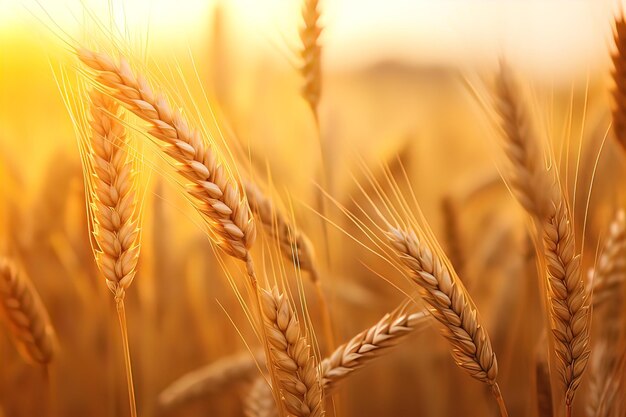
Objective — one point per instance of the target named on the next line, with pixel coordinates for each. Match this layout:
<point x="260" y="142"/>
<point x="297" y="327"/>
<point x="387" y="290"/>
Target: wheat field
<point x="202" y="213"/>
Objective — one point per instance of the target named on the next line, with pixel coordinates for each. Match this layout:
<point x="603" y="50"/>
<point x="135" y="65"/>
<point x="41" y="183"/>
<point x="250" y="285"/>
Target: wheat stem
<point x="121" y="314"/>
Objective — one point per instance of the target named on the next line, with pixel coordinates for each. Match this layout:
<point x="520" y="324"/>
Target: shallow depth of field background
<point x="393" y="93"/>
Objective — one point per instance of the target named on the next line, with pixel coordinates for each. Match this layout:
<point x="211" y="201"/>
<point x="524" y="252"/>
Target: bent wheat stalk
<point x="296" y="382"/>
<point x="25" y="315"/>
<point x="538" y="191"/>
<point x="449" y="303"/>
<point x="110" y="176"/>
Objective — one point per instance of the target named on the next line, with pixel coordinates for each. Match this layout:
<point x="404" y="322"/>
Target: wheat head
<point x="113" y="201"/>
<point x="370" y="344"/>
<point x="610" y="271"/>
<point x="619" y="81"/>
<point x="25" y="315"/>
<point x="291" y="360"/>
<point x="311" y="54"/>
<point x="209" y="379"/>
<point x="217" y="195"/>
<point x="258" y="401"/>
<point x="294" y="244"/>
<point x="537" y="189"/>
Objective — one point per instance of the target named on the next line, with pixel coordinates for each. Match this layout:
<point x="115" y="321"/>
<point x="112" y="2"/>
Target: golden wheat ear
<point x="209" y="379"/>
<point x="114" y="214"/>
<point x="619" y="80"/>
<point x="538" y="190"/>
<point x="311" y="54"/>
<point x="25" y="315"/>
<point x="449" y="304"/>
<point x="215" y="192"/>
<point x="111" y="175"/>
<point x="297" y="385"/>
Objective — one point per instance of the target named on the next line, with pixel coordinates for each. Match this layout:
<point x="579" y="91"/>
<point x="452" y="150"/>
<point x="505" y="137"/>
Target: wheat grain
<point x="290" y="358"/>
<point x="25" y="315"/>
<point x="216" y="193"/>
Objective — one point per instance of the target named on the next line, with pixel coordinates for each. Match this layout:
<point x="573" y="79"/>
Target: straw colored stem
<point x="121" y="314"/>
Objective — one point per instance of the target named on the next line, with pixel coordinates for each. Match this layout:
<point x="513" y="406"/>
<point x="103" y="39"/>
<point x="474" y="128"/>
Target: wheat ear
<point x="209" y="379"/>
<point x="538" y="191"/>
<point x="294" y="244"/>
<point x="25" y="315"/>
<point x="610" y="271"/>
<point x="258" y="401"/>
<point x="311" y="54"/>
<point x="111" y="178"/>
<point x="369" y="345"/>
<point x="450" y="304"/>
<point x="296" y="378"/>
<point x="521" y="145"/>
<point x="608" y="279"/>
<point x="569" y="310"/>
<point x="215" y="192"/>
<point x="619" y="81"/>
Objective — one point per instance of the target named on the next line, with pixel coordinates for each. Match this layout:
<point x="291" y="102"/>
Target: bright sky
<point x="542" y="35"/>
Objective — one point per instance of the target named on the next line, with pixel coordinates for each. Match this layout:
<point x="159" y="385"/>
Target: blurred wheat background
<point x="407" y="97"/>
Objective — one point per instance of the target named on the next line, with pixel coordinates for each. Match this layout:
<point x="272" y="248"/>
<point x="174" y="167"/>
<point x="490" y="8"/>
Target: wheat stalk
<point x="209" y="379"/>
<point x="311" y="54"/>
<point x="537" y="189"/>
<point x="216" y="193"/>
<point x="296" y="381"/>
<point x="453" y="235"/>
<point x="449" y="303"/>
<point x="619" y="80"/>
<point x="25" y="315"/>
